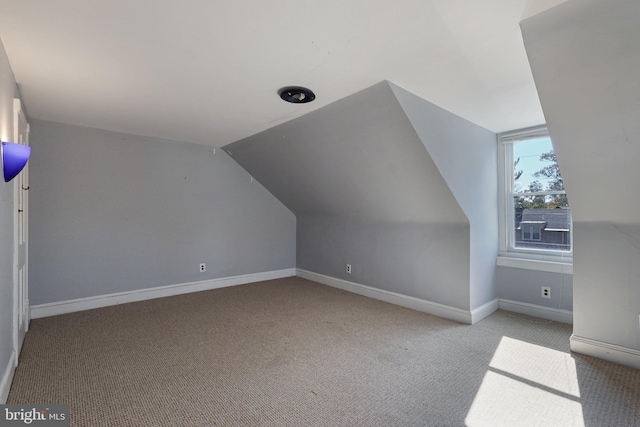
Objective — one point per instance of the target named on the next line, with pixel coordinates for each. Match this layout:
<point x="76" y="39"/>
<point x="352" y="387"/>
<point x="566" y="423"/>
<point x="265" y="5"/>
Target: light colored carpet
<point x="291" y="352"/>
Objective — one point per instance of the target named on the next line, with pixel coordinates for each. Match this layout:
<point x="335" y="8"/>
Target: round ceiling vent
<point x="296" y="95"/>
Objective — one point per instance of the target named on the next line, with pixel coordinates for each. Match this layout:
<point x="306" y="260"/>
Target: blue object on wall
<point x="14" y="158"/>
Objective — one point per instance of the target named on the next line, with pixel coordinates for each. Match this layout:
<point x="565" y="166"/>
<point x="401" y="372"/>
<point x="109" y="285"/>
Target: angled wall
<point x="366" y="192"/>
<point x="113" y="212"/>
<point x="466" y="156"/>
<point x="585" y="57"/>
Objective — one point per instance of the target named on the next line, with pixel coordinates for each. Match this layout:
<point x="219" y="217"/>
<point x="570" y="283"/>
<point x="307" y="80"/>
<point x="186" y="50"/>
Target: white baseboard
<point x="564" y="316"/>
<point x="80" y="304"/>
<point x="484" y="311"/>
<point x="448" y="312"/>
<point x="602" y="350"/>
<point x="7" y="378"/>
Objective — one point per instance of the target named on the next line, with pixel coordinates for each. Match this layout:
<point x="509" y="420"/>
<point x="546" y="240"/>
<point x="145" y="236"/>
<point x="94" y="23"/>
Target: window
<point x="535" y="215"/>
<point x="531" y="232"/>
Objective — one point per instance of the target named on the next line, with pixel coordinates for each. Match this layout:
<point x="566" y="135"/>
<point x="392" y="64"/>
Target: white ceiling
<point x="208" y="71"/>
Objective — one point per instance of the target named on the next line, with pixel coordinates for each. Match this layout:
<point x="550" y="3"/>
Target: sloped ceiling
<point x="357" y="158"/>
<point x="586" y="60"/>
<point x="208" y="72"/>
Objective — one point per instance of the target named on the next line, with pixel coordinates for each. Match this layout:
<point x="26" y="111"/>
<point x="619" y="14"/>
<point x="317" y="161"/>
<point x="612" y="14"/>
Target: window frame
<point x="506" y="212"/>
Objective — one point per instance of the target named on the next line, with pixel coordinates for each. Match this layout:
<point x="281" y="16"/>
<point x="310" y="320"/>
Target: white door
<point x="20" y="234"/>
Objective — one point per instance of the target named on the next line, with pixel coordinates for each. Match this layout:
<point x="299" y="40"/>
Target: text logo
<point x="34" y="415"/>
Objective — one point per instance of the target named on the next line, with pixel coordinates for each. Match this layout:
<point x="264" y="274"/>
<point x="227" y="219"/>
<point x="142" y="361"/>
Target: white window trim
<point x="537" y="265"/>
<point x="506" y="214"/>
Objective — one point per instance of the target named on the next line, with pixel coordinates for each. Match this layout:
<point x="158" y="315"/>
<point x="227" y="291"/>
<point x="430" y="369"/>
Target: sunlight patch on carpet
<point x="527" y="382"/>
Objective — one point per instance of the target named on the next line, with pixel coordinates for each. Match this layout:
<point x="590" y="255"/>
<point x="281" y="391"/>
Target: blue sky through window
<point x="529" y="152"/>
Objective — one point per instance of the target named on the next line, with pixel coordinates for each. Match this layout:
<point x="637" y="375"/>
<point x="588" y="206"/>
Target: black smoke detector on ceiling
<point x="296" y="95"/>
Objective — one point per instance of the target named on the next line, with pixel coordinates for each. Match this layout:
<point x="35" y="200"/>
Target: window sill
<point x="564" y="266"/>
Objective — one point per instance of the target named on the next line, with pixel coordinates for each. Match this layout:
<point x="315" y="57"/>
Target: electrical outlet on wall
<point x="203" y="267"/>
<point x="348" y="268"/>
<point x="546" y="292"/>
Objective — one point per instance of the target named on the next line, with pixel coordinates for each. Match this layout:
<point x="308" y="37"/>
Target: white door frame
<point x="21" y="310"/>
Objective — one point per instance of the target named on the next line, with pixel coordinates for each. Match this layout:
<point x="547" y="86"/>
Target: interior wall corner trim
<point x="81" y="304"/>
<point x="441" y="310"/>
<point x="484" y="311"/>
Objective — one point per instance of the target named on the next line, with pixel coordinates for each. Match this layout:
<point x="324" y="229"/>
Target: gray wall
<point x="585" y="57"/>
<point x="7" y="93"/>
<point x="467" y="157"/>
<point x="112" y="212"/>
<point x="522" y="285"/>
<point x="366" y="192"/>
<point x="428" y="260"/>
